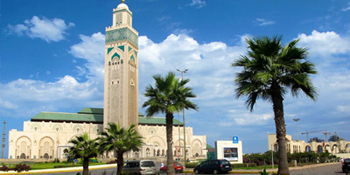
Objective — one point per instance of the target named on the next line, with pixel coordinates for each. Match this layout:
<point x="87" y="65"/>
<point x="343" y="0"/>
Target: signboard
<point x="231" y="153"/>
<point x="235" y="139"/>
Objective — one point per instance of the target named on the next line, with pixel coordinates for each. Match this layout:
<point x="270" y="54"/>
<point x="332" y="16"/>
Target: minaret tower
<point x="121" y="70"/>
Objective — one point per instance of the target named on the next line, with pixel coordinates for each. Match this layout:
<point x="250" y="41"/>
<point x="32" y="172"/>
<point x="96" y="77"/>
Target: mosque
<point x="47" y="134"/>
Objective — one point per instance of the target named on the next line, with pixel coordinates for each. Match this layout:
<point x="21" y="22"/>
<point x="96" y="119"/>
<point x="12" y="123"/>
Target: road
<point x="321" y="169"/>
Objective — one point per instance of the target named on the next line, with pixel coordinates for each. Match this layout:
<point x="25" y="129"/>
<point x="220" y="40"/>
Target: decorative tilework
<point x="121" y="48"/>
<point x="120" y="35"/>
<point x="115" y="55"/>
<point x="129" y="49"/>
<point x="109" y="50"/>
<point x="135" y="52"/>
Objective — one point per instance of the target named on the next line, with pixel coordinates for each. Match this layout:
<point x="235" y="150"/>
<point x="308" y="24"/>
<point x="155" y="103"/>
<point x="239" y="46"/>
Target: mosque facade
<point x="47" y="134"/>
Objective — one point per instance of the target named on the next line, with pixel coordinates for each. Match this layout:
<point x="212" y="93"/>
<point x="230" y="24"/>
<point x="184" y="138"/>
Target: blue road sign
<point x="235" y="139"/>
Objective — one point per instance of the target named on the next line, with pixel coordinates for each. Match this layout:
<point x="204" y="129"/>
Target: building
<point x="298" y="146"/>
<point x="47" y="134"/>
<point x="229" y="150"/>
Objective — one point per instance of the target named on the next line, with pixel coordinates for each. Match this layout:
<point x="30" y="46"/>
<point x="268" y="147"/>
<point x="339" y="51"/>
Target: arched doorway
<point x="319" y="149"/>
<point x="46" y="156"/>
<point x="307" y="149"/>
<point x="23" y="156"/>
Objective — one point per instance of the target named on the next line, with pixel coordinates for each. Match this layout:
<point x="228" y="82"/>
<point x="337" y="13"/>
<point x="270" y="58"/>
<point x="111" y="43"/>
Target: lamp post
<point x="296" y="125"/>
<point x="3" y="142"/>
<point x="183" y="113"/>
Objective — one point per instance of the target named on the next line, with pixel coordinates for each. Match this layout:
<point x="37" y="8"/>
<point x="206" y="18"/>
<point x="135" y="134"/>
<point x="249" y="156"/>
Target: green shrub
<point x="4" y="168"/>
<point x="22" y="167"/>
<point x="191" y="164"/>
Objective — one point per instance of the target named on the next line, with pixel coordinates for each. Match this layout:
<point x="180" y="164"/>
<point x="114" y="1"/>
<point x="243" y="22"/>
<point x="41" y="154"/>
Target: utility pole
<point x="183" y="113"/>
<point x="3" y="142"/>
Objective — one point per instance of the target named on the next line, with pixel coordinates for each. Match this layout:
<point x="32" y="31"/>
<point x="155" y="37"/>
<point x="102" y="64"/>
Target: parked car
<point x="213" y="166"/>
<point x="178" y="168"/>
<point x="140" y="167"/>
<point x="346" y="165"/>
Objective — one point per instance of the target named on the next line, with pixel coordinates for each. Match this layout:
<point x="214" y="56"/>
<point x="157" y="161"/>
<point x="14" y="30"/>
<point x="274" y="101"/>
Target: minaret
<point x="121" y="70"/>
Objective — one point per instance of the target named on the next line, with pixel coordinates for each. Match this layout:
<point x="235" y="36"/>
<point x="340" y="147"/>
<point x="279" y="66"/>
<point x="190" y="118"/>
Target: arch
<point x="78" y="129"/>
<point x="148" y="152"/>
<point x="35" y="127"/>
<point x="197" y="147"/>
<point x="57" y="128"/>
<point x="23" y="145"/>
<point x="347" y="148"/>
<point x="307" y="148"/>
<point x="157" y="140"/>
<point x="23" y="156"/>
<point x="319" y="149"/>
<point x="46" y="146"/>
<point x="334" y="148"/>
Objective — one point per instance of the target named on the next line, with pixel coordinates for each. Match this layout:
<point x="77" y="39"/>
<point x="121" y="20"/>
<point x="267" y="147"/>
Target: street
<point x="320" y="169"/>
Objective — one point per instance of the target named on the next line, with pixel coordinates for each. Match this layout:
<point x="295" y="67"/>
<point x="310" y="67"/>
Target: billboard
<point x="230" y="153"/>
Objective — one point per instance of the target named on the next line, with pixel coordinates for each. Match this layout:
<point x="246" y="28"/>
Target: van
<point x="140" y="167"/>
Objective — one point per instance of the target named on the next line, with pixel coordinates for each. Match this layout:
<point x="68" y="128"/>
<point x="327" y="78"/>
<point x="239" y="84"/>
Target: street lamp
<point x="296" y="125"/>
<point x="183" y="113"/>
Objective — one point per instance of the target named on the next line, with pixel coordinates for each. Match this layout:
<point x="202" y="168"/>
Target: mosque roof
<point x="94" y="115"/>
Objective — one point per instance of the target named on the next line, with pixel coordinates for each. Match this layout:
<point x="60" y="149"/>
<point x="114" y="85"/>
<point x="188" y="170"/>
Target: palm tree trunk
<point x="120" y="161"/>
<point x="85" y="166"/>
<point x="169" y="139"/>
<point x="277" y="100"/>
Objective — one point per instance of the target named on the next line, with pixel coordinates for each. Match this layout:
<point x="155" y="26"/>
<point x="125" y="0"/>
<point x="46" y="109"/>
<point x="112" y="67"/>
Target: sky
<point x="52" y="57"/>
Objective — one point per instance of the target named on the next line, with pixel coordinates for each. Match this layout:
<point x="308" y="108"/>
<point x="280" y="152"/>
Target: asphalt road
<point x="322" y="169"/>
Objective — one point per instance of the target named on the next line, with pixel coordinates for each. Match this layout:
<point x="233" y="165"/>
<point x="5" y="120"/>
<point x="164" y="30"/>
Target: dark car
<point x="178" y="168"/>
<point x="213" y="166"/>
<point x="346" y="165"/>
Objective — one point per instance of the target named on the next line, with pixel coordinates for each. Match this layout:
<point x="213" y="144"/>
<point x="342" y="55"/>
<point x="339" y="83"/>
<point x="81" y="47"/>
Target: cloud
<point x="198" y="3"/>
<point x="45" y="29"/>
<point x="346" y="8"/>
<point x="263" y="22"/>
<point x="94" y="57"/>
<point x="325" y="43"/>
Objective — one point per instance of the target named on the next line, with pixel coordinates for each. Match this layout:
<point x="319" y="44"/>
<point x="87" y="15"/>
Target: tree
<point x="269" y="69"/>
<point x="120" y="141"/>
<point x="85" y="149"/>
<point x="168" y="96"/>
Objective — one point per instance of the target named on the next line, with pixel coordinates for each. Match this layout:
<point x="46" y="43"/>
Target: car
<point x="177" y="166"/>
<point x="346" y="165"/>
<point x="215" y="166"/>
<point x="140" y="167"/>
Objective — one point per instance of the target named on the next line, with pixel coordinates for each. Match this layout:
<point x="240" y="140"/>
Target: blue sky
<point x="52" y="55"/>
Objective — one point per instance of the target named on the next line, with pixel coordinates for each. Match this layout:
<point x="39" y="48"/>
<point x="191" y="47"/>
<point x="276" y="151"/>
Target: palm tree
<point x="85" y="149"/>
<point x="120" y="141"/>
<point x="269" y="69"/>
<point x="168" y="97"/>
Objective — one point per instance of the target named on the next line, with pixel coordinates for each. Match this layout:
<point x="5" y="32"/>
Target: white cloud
<point x="198" y="3"/>
<point x="91" y="49"/>
<point x="346" y="8"/>
<point x="325" y="43"/>
<point x="45" y="29"/>
<point x="248" y="119"/>
<point x="263" y="22"/>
